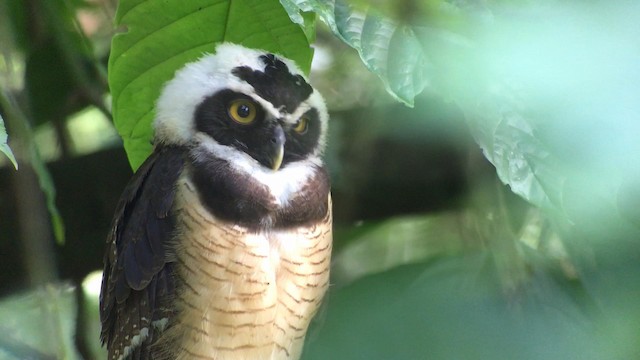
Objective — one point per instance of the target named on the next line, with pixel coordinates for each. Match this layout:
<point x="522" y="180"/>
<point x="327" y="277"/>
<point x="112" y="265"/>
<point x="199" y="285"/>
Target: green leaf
<point x="4" y="146"/>
<point x="49" y="189"/>
<point x="31" y="154"/>
<point x="306" y="19"/>
<point x="453" y="308"/>
<point x="390" y="51"/>
<point x="160" y="37"/>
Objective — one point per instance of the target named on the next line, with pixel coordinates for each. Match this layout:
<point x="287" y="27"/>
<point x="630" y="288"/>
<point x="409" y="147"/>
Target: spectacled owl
<point x="221" y="242"/>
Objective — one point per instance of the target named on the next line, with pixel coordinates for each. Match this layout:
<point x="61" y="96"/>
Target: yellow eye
<point x="242" y="111"/>
<point x="301" y="126"/>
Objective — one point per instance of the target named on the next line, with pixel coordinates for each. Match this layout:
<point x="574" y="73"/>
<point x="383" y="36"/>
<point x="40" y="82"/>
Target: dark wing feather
<point x="137" y="284"/>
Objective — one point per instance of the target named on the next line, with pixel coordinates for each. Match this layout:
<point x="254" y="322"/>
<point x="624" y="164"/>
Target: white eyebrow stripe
<point x="267" y="106"/>
<point x="276" y="112"/>
<point x="302" y="108"/>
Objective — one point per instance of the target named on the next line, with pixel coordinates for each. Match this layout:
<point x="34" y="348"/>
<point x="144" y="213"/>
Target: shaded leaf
<point x="389" y="50"/>
<point x="510" y="143"/>
<point x="160" y="37"/>
<point x="50" y="92"/>
<point x="376" y="246"/>
<point x="56" y="43"/>
<point x="453" y="308"/>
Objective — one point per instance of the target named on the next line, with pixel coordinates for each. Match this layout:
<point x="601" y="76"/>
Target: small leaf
<point x="49" y="189"/>
<point x="161" y="37"/>
<point x="4" y="146"/>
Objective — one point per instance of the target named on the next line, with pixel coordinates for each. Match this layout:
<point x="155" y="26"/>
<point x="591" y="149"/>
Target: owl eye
<point x="242" y="111"/>
<point x="301" y="126"/>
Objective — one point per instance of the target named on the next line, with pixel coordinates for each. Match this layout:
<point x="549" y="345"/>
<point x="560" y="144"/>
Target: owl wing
<point x="137" y="284"/>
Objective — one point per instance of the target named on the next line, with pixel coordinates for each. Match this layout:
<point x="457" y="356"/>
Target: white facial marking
<point x="282" y="184"/>
<point x="210" y="74"/>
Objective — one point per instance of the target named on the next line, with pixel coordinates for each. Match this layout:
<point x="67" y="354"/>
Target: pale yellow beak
<point x="277" y="159"/>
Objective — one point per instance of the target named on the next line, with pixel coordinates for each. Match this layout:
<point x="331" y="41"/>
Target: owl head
<point x="250" y="107"/>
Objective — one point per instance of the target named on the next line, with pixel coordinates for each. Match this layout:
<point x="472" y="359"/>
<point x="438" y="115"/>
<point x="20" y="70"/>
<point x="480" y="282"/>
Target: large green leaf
<point x="159" y="37"/>
<point x="453" y="308"/>
<point x="4" y="146"/>
<point x="389" y="50"/>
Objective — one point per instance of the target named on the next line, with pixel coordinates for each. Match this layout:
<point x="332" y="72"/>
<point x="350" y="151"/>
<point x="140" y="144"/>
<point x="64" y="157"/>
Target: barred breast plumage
<point x="245" y="294"/>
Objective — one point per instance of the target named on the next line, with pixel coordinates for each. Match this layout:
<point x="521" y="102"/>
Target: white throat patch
<point x="282" y="184"/>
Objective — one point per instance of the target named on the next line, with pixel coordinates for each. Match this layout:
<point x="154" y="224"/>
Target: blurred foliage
<point x="452" y="308"/>
<point x="29" y="154"/>
<point x="39" y="324"/>
<point x="4" y="146"/>
<point x="389" y="51"/>
<point x="60" y="77"/>
<point x="550" y="92"/>
<point x="48" y="71"/>
<point x="540" y="259"/>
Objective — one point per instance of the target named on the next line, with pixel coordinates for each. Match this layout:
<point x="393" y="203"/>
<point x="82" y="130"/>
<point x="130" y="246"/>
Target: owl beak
<point x="277" y="147"/>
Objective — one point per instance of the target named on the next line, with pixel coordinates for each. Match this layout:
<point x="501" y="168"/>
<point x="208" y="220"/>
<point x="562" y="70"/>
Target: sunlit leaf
<point x="159" y="37"/>
<point x="389" y="50"/>
<point x="4" y="146"/>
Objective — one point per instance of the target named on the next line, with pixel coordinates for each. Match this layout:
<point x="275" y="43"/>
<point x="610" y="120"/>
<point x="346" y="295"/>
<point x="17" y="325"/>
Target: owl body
<point x="256" y="291"/>
<point x="221" y="243"/>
